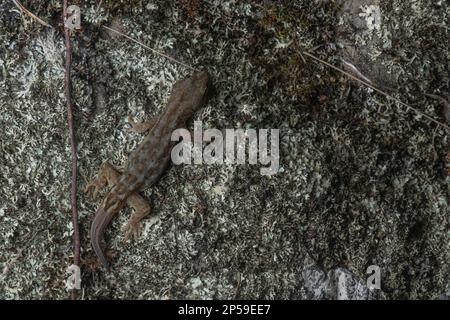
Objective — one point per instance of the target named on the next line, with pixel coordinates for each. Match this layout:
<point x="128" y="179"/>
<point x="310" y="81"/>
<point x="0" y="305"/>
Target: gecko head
<point x="188" y="95"/>
<point x="201" y="78"/>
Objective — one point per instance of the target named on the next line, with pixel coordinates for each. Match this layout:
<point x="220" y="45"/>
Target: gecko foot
<point x="132" y="230"/>
<point x="94" y="186"/>
<point x="107" y="175"/>
<point x="141" y="210"/>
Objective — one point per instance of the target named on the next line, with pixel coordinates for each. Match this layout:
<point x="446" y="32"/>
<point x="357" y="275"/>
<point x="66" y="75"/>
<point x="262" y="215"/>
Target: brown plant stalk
<point x="30" y="14"/>
<point x="73" y="144"/>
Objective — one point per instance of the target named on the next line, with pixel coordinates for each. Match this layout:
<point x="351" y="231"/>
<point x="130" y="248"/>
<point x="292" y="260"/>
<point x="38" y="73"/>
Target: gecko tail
<point x="101" y="220"/>
<point x="112" y="204"/>
<point x="99" y="224"/>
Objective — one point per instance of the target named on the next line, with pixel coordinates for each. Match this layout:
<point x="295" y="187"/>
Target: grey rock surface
<point x="362" y="181"/>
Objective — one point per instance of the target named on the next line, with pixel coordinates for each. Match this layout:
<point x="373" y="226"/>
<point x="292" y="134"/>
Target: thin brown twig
<point x="143" y="45"/>
<point x="99" y="5"/>
<point x="73" y="144"/>
<point x="407" y="106"/>
<point x="30" y="14"/>
<point x="151" y="49"/>
<point x="23" y="9"/>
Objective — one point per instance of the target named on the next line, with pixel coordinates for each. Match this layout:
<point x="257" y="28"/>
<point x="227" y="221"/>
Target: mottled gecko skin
<point x="148" y="161"/>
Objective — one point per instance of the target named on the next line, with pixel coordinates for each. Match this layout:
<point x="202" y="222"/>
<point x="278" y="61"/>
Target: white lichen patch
<point x="360" y="179"/>
<point x="372" y="17"/>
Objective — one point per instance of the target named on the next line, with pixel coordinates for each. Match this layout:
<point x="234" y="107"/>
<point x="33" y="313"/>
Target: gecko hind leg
<point x="108" y="175"/>
<point x="141" y="210"/>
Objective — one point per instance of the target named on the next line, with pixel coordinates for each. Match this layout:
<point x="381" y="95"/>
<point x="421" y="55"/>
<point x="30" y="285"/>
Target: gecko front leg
<point x="109" y="176"/>
<point x="141" y="127"/>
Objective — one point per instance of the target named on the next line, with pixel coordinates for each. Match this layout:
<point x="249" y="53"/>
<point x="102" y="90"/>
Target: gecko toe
<point x="92" y="190"/>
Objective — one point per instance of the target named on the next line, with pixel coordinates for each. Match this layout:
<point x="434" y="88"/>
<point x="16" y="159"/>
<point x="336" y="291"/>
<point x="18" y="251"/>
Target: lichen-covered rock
<point x="362" y="181"/>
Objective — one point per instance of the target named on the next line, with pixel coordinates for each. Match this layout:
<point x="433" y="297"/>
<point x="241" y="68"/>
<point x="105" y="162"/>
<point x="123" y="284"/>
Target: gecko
<point x="146" y="163"/>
